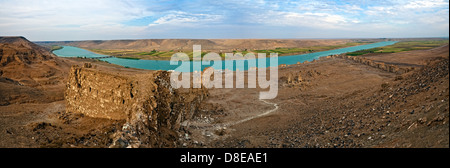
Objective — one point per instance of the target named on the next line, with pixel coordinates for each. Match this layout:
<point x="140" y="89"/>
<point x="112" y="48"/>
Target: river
<point x="69" y="51"/>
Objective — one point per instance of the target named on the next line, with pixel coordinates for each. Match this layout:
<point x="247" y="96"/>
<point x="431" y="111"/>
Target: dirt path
<point x="201" y="133"/>
<point x="256" y="116"/>
<point x="232" y="123"/>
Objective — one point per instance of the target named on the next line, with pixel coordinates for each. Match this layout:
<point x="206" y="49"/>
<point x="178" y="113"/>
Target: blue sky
<point x="143" y="19"/>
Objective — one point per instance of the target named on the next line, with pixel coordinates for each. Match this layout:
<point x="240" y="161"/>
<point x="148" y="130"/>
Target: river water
<point x="69" y="51"/>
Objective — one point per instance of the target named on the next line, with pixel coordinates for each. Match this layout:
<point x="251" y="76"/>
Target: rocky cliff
<point x="152" y="109"/>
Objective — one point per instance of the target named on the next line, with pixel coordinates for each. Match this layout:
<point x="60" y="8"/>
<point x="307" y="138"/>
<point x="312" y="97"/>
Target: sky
<point x="64" y="20"/>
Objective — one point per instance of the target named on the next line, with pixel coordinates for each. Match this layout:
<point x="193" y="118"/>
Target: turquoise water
<point x="68" y="51"/>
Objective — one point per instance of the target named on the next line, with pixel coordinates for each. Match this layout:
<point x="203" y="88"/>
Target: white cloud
<point x="380" y="11"/>
<point x="306" y="19"/>
<point x="179" y="17"/>
<point x="410" y="12"/>
<point x="421" y="4"/>
<point x="83" y="18"/>
<point x="72" y="12"/>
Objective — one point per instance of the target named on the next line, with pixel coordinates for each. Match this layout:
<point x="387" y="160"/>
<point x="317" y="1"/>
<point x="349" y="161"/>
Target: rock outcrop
<point x="152" y="109"/>
<point x="380" y="65"/>
<point x="300" y="80"/>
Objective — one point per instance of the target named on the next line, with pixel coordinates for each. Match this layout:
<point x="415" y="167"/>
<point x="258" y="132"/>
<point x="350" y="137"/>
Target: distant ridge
<point x="217" y="45"/>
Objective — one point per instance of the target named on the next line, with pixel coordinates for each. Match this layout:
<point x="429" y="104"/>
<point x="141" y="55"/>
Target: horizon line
<point x="236" y="39"/>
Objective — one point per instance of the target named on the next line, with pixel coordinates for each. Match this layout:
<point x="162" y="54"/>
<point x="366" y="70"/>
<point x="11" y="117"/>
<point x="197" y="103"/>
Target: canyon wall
<point x="146" y="101"/>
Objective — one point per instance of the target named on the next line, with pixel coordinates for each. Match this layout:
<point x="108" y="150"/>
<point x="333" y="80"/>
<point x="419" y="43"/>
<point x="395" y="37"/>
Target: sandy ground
<point x="338" y="103"/>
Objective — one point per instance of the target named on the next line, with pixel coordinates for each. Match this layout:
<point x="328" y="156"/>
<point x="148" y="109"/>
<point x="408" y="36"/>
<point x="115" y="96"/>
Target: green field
<point x="55" y="47"/>
<point x="291" y="51"/>
<point x="402" y="46"/>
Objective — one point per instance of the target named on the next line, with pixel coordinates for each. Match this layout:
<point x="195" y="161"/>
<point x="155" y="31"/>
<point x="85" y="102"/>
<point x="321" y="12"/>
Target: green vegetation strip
<point x="131" y="58"/>
<point x="55" y="47"/>
<point x="290" y="51"/>
<point x="402" y="46"/>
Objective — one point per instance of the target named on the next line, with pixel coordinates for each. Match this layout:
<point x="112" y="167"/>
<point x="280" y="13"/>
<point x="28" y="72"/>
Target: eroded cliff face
<point x="386" y="67"/>
<point x="152" y="109"/>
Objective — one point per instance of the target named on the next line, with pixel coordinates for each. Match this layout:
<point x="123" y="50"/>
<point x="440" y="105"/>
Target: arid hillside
<point x="336" y="102"/>
<point x="29" y="73"/>
<point x="30" y="64"/>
